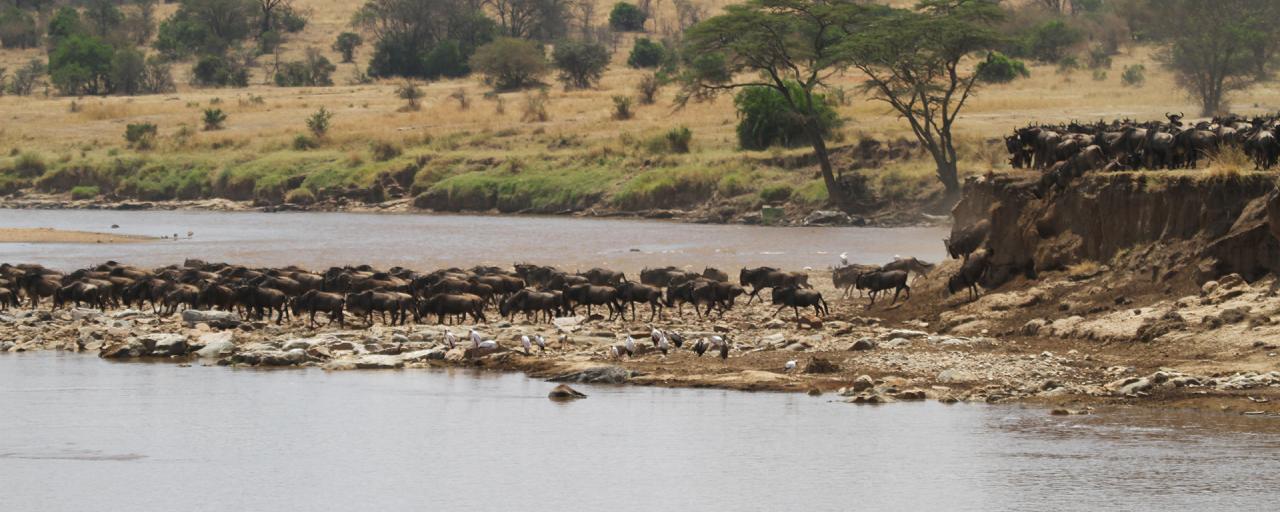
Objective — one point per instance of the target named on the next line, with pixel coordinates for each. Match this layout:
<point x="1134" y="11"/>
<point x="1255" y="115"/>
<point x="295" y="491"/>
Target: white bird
<point x="613" y="351"/>
<point x="450" y="339"/>
<point x="631" y="345"/>
<point x="662" y="344"/>
<point x="524" y="342"/>
<point x="656" y="335"/>
<point x="844" y="259"/>
<point x="475" y="338"/>
<point x="542" y="343"/>
<point x="716" y="341"/>
<point x="487" y="344"/>
<point x="791" y="365"/>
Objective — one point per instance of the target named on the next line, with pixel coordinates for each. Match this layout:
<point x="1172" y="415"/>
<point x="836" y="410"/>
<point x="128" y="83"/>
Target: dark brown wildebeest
<point x="532" y="304"/>
<point x="535" y="275"/>
<point x="81" y="292"/>
<point x="262" y="302"/>
<point x="664" y="277"/>
<point x="797" y="298"/>
<point x="499" y="284"/>
<point x="315" y="301"/>
<point x="604" y="277"/>
<point x="368" y="302"/>
<point x="699" y="292"/>
<point x="562" y="281"/>
<point x="970" y="275"/>
<point x="8" y="298"/>
<point x="180" y="294"/>
<point x="962" y="243"/>
<point x="445" y="304"/>
<point x="768" y="277"/>
<point x="592" y="295"/>
<point x="877" y="282"/>
<point x="37" y="285"/>
<point x="630" y="293"/>
<point x="846" y="278"/>
<point x="218" y="296"/>
<point x="715" y="274"/>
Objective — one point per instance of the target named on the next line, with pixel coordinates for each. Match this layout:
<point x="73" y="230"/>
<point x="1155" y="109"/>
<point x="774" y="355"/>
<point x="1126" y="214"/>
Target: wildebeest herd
<point x="1065" y="152"/>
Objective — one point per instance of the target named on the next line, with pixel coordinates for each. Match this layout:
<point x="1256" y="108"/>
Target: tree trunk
<point x="834" y="192"/>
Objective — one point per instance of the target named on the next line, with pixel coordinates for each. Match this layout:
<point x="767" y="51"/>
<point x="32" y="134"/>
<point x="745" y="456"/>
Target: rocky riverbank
<point x="1218" y="352"/>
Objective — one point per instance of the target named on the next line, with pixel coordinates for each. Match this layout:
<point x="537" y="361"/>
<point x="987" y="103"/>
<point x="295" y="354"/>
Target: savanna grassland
<point x="471" y="149"/>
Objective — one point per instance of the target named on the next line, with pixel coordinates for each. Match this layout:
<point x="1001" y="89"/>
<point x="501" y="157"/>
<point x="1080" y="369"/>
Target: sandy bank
<point x="57" y="236"/>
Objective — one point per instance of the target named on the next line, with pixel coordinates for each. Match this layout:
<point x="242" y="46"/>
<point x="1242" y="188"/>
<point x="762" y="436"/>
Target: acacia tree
<point x="789" y="46"/>
<point x="913" y="62"/>
<point x="1211" y="46"/>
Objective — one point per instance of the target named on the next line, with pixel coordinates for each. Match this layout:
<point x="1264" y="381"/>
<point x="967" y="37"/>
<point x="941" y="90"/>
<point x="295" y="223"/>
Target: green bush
<point x="18" y="28"/>
<point x="678" y="139"/>
<point x="509" y="63"/>
<point x="318" y="123"/>
<point x="140" y="135"/>
<point x="383" y="151"/>
<point x="622" y="107"/>
<point x="646" y="53"/>
<point x="625" y="17"/>
<point x="1134" y="76"/>
<point x="81" y="65"/>
<point x="1052" y="40"/>
<point x="346" y="44"/>
<point x="214" y="118"/>
<point x="219" y="71"/>
<point x="998" y="68"/>
<point x="300" y="195"/>
<point x="85" y="192"/>
<point x="313" y="71"/>
<point x="302" y="143"/>
<point x="128" y="72"/>
<point x="766" y="119"/>
<point x="776" y="193"/>
<point x="580" y="63"/>
<point x="28" y="165"/>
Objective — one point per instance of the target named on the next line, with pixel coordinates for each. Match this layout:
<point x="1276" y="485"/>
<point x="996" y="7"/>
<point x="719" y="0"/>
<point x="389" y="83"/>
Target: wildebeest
<point x="845" y="278"/>
<point x="877" y="282"/>
<point x="315" y="301"/>
<point x="181" y="294"/>
<point x="533" y="303"/>
<point x="768" y="277"/>
<point x="36" y="285"/>
<point x="80" y="292"/>
<point x="699" y="292"/>
<point x="970" y="275"/>
<point x="445" y="304"/>
<point x="604" y="277"/>
<point x="910" y="265"/>
<point x="797" y="298"/>
<point x="262" y="302"/>
<point x="368" y="302"/>
<point x="715" y="274"/>
<point x="631" y="293"/>
<point x="8" y="298"/>
<point x="592" y="295"/>
<point x="963" y="242"/>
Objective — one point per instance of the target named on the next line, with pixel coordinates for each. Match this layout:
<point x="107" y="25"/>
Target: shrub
<point x="460" y="95"/>
<point x="140" y="135"/>
<point x="301" y="142"/>
<point x="1099" y="58"/>
<point x="648" y="88"/>
<point x="535" y="108"/>
<point x="213" y="119"/>
<point x="81" y="65"/>
<point x="313" y="71"/>
<point x="346" y="44"/>
<point x="28" y="165"/>
<point x="128" y="72"/>
<point x="65" y="22"/>
<point x="318" y="123"/>
<point x="776" y="193"/>
<point x="24" y="80"/>
<point x="646" y="53"/>
<point x="1134" y="76"/>
<point x="158" y="78"/>
<point x="678" y="139"/>
<point x="1052" y="40"/>
<point x="383" y="151"/>
<point x="622" y="108"/>
<point x="410" y="93"/>
<point x="445" y="60"/>
<point x="765" y="119"/>
<point x="580" y="63"/>
<point x="625" y="17"/>
<point x="999" y="68"/>
<point x="219" y="71"/>
<point x="1099" y="75"/>
<point x="300" y="195"/>
<point x="84" y="192"/>
<point x="510" y="63"/>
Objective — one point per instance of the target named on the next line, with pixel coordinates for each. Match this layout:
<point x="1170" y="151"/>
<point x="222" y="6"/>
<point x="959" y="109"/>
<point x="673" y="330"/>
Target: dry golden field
<point x="580" y="132"/>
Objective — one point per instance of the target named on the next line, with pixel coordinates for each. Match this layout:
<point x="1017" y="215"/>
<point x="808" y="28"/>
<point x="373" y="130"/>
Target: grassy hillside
<point x="485" y="156"/>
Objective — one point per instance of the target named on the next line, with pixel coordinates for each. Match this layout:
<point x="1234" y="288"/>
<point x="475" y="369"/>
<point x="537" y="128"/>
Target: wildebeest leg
<point x="896" y="291"/>
<point x="780" y="308"/>
<point x="751" y="297"/>
<point x="796" y="310"/>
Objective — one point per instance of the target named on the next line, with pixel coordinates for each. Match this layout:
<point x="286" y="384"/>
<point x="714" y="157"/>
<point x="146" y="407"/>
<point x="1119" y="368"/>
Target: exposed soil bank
<point x="57" y="236"/>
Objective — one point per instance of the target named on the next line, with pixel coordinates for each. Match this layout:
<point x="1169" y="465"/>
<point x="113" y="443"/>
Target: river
<point x="84" y="434"/>
<point x="424" y="242"/>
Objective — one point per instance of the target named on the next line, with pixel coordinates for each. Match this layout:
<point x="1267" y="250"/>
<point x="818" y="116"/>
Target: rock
<point x="953" y="375"/>
<point x="215" y="344"/>
<point x="1067" y="412"/>
<point x="378" y="362"/>
<point x="129" y="348"/>
<point x="869" y="398"/>
<point x="128" y="313"/>
<point x="774" y="340"/>
<point x="775" y="323"/>
<point x="863" y="383"/>
<point x="826" y="218"/>
<point x="297" y="344"/>
<point x="814" y="392"/>
<point x="479" y="352"/>
<point x="1208" y="288"/>
<point x="417" y="356"/>
<point x="1032" y="327"/>
<point x="1153" y="328"/>
<point x="820" y="365"/>
<point x="863" y="344"/>
<point x="165" y="344"/>
<point x="216" y="319"/>
<point x="798" y="346"/>
<point x="269" y="357"/>
<point x="564" y="392"/>
<point x="905" y="333"/>
<point x="85" y="314"/>
<point x="596" y="375"/>
<point x="1230" y="281"/>
<point x="910" y="394"/>
<point x="895" y="343"/>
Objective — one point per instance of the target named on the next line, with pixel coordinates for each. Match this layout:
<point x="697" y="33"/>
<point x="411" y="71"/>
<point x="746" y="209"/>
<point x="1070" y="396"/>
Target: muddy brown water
<point x="84" y="434"/>
<point x="319" y="240"/>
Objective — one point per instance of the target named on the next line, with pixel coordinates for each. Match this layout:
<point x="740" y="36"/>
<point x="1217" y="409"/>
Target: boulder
<point x="270" y="357"/>
<point x="871" y="398"/>
<point x="216" y="319"/>
<point x="378" y="362"/>
<point x="132" y="347"/>
<point x="820" y="365"/>
<point x="564" y="392"/>
<point x="953" y="375"/>
<point x="215" y="344"/>
<point x="1032" y="327"/>
<point x="910" y="394"/>
<point x="863" y="344"/>
<point x="596" y="375"/>
<point x="165" y="344"/>
<point x="826" y="218"/>
<point x="417" y="356"/>
<point x="863" y="383"/>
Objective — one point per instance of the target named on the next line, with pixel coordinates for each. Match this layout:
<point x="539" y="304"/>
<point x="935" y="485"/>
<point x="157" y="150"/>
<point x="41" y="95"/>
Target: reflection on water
<point x="80" y="433"/>
<point x="432" y="241"/>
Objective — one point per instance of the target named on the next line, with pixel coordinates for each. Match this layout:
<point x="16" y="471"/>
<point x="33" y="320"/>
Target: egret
<point x="631" y="345"/>
<point x="542" y="343"/>
<point x="524" y="342"/>
<point x="613" y="352"/>
<point x="487" y="344"/>
<point x="475" y="338"/>
<point x="717" y="341"/>
<point x="450" y="339"/>
<point x="662" y="344"/>
<point x="791" y="365"/>
<point x="656" y="335"/>
<point x="844" y="259"/>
